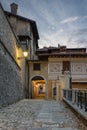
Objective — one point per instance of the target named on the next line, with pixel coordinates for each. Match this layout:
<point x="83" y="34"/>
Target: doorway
<point x="38" y="87"/>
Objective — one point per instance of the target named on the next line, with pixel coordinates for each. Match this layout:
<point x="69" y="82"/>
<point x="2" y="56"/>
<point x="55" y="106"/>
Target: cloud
<point x="79" y="42"/>
<point x="55" y="21"/>
<point x="78" y="32"/>
<point x="69" y="20"/>
<point x="73" y="19"/>
<point x="76" y="38"/>
<point x="53" y="39"/>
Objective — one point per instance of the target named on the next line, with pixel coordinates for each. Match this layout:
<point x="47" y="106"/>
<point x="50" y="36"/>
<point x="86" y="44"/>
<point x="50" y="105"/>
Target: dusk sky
<point x="61" y="22"/>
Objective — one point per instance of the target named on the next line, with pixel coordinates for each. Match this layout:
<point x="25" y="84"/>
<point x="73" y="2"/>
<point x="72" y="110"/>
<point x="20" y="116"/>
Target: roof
<point x="63" y="52"/>
<point x="32" y="22"/>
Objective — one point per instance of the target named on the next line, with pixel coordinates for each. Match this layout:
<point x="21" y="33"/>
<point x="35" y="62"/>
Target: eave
<point x="63" y="55"/>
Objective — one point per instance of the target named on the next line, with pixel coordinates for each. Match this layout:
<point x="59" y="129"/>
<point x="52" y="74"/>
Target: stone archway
<point x="38" y="87"/>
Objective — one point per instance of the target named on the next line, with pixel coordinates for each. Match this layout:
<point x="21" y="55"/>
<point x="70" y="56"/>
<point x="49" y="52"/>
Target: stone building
<point x="17" y="35"/>
<point x="57" y="68"/>
<point x="27" y="33"/>
<point x="25" y="29"/>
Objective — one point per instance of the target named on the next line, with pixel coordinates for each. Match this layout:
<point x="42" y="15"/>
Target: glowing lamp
<point x="25" y="53"/>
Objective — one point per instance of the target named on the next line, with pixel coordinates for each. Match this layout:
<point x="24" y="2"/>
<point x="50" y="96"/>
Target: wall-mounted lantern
<point x="25" y="55"/>
<point x="24" y="40"/>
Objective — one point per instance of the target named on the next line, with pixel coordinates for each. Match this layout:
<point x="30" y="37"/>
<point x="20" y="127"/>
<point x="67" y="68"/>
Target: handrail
<point x="76" y="96"/>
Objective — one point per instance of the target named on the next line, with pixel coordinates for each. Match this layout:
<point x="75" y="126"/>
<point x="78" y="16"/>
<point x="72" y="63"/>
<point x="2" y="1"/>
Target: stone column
<point x="62" y="86"/>
<point x="53" y="86"/>
<point x="58" y="95"/>
<point x="30" y="90"/>
<point x="67" y="79"/>
<point x="74" y="97"/>
<point x="47" y="89"/>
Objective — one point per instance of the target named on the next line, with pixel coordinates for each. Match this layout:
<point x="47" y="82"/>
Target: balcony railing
<point x="78" y="97"/>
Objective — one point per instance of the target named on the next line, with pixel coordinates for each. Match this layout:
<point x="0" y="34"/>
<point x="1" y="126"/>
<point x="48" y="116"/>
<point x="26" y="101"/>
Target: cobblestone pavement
<point x="39" y="115"/>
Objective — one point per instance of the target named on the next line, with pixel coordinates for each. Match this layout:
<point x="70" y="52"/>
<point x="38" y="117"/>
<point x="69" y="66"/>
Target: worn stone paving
<point x="39" y="115"/>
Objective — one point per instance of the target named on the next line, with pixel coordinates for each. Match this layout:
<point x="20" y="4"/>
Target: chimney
<point x="14" y="8"/>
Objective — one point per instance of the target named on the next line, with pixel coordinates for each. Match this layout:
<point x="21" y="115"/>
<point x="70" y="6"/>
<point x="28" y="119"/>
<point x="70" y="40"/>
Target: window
<point x="24" y="45"/>
<point x="54" y="91"/>
<point x="66" y="65"/>
<point x="24" y="39"/>
<point x="36" y="66"/>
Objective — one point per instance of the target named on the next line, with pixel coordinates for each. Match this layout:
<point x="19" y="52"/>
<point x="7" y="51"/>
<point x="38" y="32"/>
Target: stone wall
<point x="6" y="34"/>
<point x="11" y="88"/>
<point x="43" y="72"/>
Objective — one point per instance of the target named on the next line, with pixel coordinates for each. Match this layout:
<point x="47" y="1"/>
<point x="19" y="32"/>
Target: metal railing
<point x="78" y="97"/>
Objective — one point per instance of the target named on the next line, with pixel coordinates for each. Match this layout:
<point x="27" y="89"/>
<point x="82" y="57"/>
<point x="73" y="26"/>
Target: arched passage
<point x="38" y="87"/>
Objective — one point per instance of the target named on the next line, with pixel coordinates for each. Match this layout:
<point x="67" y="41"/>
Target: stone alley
<point x="39" y="115"/>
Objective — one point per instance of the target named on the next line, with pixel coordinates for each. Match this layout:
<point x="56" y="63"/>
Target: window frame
<point x="36" y="66"/>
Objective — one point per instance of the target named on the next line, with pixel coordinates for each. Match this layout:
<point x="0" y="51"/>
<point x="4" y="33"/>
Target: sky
<point x="61" y="22"/>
